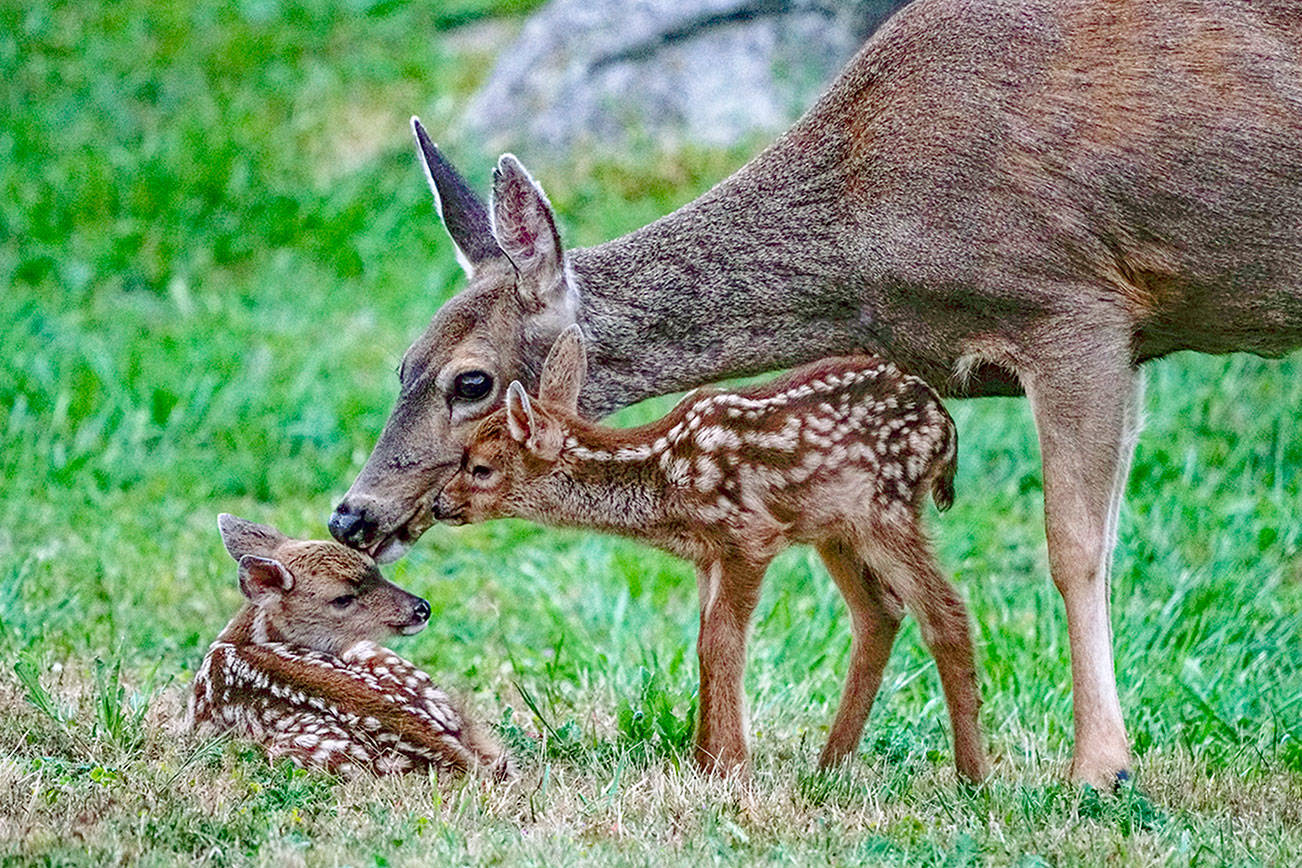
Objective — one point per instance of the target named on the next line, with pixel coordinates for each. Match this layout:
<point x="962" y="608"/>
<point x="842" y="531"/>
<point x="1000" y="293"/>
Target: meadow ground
<point x="214" y="246"/>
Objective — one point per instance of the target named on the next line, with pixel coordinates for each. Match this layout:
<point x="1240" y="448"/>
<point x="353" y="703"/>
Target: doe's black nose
<point x="351" y="527"/>
<point x="422" y="610"/>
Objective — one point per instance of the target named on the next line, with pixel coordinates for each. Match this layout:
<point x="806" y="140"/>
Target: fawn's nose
<point x="351" y="525"/>
<point x="422" y="611"/>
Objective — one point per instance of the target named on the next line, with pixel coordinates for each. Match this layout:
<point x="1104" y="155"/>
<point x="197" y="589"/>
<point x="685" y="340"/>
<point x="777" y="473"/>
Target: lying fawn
<point x="298" y="669"/>
<point x="840" y="454"/>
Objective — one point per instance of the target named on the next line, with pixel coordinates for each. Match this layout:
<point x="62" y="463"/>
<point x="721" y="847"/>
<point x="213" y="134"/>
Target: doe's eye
<point x="472" y="385"/>
<point x="344" y="601"/>
<point x="481" y="471"/>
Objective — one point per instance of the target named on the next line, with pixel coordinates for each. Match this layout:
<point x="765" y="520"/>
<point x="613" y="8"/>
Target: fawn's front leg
<point x="729" y="589"/>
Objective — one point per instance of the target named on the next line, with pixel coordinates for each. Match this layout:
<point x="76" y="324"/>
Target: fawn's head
<point x="314" y="593"/>
<point x="519" y="298"/>
<point x="520" y="445"/>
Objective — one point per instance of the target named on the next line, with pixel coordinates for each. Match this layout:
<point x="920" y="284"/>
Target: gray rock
<point x="605" y="73"/>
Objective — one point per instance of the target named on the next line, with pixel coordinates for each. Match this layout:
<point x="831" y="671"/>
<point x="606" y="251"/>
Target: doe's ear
<point x="243" y="537"/>
<point x="464" y="214"/>
<point x="261" y="577"/>
<point x="565" y="370"/>
<point x="525" y="230"/>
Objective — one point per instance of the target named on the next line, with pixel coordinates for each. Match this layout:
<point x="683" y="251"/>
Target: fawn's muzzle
<point x="447" y="512"/>
<point x="419" y="618"/>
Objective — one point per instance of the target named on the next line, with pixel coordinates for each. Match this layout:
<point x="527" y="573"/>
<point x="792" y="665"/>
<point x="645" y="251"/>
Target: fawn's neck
<point x="250" y="626"/>
<point x="752" y="276"/>
<point x="613" y="482"/>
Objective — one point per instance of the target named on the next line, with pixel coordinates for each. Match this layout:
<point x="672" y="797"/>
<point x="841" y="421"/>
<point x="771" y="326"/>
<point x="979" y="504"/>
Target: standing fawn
<point x="1000" y="196"/>
<point x="840" y="454"/>
<point x="298" y="669"/>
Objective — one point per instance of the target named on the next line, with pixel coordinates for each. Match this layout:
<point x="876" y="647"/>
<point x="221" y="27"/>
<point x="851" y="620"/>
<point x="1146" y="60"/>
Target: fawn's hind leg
<point x="908" y="566"/>
<point x="874" y="621"/>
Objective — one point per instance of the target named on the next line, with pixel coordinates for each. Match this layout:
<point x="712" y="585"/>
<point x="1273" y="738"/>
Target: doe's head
<point x="321" y="595"/>
<point x="521" y="443"/>
<point x="520" y="295"/>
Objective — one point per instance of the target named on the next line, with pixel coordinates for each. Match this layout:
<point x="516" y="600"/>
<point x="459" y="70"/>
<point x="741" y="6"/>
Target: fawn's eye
<point x="472" y="385"/>
<point x="481" y="472"/>
<point x="344" y="601"/>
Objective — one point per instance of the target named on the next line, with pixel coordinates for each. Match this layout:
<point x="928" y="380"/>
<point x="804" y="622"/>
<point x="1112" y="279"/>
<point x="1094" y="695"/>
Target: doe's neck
<point x="752" y="276"/>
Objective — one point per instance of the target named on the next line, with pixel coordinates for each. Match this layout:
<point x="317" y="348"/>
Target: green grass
<point x="215" y="245"/>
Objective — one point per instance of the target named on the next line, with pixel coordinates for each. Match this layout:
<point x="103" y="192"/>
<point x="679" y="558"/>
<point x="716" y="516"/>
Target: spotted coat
<point x="367" y="710"/>
<point x="865" y="439"/>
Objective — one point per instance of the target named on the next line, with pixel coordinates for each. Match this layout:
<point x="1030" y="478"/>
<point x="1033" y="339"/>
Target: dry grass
<point x="71" y="792"/>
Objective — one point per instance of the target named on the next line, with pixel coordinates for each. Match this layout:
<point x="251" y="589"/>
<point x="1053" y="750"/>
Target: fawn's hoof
<point x="974" y="771"/>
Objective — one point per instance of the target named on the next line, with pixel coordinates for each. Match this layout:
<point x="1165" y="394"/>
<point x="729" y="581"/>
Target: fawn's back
<point x="857" y="430"/>
<point x="368" y="709"/>
<point x="848" y="441"/>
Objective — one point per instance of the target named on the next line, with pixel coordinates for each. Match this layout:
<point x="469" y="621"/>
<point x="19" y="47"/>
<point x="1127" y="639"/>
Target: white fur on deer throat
<point x="260" y="636"/>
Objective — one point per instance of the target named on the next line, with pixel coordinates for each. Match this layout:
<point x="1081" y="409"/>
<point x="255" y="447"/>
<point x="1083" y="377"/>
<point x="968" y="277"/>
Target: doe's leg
<point x="1086" y="412"/>
<point x="874" y="621"/>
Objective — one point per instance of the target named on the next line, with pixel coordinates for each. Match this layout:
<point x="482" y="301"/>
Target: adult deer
<point x="1002" y="197"/>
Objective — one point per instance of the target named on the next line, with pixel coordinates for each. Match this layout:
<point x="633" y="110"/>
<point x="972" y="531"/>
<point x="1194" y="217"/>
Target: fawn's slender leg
<point x="1086" y="413"/>
<point x="873" y="625"/>
<point x="909" y="567"/>
<point x="729" y="590"/>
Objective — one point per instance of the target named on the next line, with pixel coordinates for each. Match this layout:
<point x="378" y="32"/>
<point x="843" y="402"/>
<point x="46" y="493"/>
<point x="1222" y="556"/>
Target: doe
<point x="298" y="669"/>
<point x="840" y="454"/>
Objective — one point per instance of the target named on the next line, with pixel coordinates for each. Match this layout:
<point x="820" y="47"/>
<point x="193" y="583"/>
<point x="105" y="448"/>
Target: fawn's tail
<point x="942" y="485"/>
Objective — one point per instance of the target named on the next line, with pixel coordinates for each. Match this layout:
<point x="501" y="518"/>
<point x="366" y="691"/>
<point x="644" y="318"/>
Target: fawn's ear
<point x="260" y="577"/>
<point x="248" y="537"/>
<point x="520" y="420"/>
<point x="536" y="433"/>
<point x="525" y="229"/>
<point x="565" y="370"/>
<point x="464" y="214"/>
